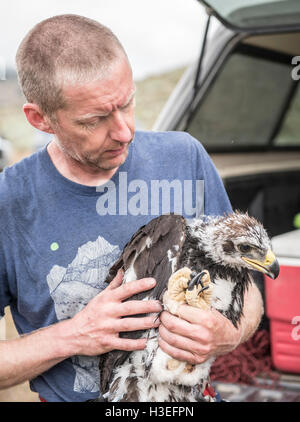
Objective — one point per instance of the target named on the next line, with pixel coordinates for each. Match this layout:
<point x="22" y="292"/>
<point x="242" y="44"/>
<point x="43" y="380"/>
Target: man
<point x="68" y="210"/>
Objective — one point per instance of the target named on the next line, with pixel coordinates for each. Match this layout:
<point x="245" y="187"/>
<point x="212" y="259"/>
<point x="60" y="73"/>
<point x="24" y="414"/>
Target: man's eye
<point x="86" y="124"/>
<point x="94" y="123"/>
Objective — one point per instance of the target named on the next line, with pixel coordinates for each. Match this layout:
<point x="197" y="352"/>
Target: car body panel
<point x="257" y="15"/>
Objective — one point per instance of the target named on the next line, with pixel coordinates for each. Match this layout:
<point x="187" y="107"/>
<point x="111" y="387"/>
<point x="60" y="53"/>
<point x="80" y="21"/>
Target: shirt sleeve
<point x="5" y="296"/>
<point x="216" y="201"/>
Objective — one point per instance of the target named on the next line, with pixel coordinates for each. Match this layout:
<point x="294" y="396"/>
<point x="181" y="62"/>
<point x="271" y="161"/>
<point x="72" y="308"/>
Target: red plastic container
<point x="283" y="303"/>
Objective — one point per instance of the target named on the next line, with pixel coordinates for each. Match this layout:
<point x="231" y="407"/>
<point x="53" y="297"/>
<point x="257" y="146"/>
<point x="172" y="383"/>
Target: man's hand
<point x="92" y="331"/>
<point x="98" y="325"/>
<point x="199" y="334"/>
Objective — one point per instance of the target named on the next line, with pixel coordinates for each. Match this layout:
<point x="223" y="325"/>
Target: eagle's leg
<point x="185" y="289"/>
<point x="173" y="298"/>
<point x="177" y="285"/>
<point x="198" y="292"/>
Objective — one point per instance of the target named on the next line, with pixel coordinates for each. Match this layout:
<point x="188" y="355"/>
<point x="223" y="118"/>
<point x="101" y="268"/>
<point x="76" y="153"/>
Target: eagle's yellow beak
<point x="269" y="266"/>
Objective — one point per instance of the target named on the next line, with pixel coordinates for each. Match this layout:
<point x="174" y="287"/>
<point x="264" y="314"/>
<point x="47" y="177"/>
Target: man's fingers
<point x="182" y="355"/>
<point x="184" y="343"/>
<point x="134" y="324"/>
<point x="136" y="307"/>
<point x="177" y="325"/>
<point x="195" y="315"/>
<point x="129" y="344"/>
<point x="117" y="281"/>
<point x="185" y="328"/>
<point x="129" y="289"/>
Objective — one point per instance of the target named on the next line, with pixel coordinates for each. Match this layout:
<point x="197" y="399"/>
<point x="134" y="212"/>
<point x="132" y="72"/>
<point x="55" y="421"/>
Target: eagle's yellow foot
<point x="189" y="368"/>
<point x="174" y="296"/>
<point x="184" y="290"/>
<point x="178" y="283"/>
<point x="198" y="292"/>
<point x="172" y="364"/>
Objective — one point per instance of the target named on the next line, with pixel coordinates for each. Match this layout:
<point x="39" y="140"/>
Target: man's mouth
<point x="117" y="151"/>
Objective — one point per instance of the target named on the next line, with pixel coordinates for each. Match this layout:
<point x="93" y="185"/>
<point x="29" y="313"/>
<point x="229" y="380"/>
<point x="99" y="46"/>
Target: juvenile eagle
<point x="204" y="263"/>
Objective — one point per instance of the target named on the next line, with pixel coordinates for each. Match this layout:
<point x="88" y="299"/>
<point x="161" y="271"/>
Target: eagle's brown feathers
<point x="153" y="262"/>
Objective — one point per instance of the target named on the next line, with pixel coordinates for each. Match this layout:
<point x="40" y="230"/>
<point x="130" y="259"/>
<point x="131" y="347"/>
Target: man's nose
<point x="119" y="128"/>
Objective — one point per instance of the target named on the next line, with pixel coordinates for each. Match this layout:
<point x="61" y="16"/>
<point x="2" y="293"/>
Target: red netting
<point x="248" y="360"/>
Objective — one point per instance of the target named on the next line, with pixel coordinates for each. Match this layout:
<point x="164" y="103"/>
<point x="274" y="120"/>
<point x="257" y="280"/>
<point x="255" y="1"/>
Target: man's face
<point x="97" y="124"/>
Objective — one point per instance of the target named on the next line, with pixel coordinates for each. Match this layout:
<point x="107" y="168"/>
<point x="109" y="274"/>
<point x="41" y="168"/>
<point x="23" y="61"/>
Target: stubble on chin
<point x="89" y="162"/>
<point x="101" y="163"/>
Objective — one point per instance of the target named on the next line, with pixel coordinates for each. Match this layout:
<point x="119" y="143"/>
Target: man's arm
<point x="26" y="357"/>
<point x="93" y="331"/>
<point x="198" y="334"/>
<point x="253" y="312"/>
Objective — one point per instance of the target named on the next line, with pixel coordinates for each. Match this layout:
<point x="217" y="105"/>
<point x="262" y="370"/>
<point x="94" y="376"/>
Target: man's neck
<point x="75" y="171"/>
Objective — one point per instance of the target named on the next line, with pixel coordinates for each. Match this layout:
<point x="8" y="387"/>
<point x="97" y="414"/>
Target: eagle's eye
<point x="244" y="248"/>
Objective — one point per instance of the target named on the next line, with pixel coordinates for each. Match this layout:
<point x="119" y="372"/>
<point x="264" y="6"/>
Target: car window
<point x="289" y="133"/>
<point x="245" y="102"/>
<point x="256" y="13"/>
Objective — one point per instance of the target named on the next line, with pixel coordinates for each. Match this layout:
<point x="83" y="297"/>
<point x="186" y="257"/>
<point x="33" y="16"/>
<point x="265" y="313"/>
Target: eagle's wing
<point x="153" y="251"/>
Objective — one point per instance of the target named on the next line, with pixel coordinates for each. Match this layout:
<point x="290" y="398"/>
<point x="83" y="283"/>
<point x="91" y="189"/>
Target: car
<point x="241" y="100"/>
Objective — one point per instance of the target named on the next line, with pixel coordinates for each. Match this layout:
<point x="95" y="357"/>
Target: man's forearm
<point x="92" y="331"/>
<point x="253" y="311"/>
<point x="28" y="356"/>
<point x="196" y="334"/>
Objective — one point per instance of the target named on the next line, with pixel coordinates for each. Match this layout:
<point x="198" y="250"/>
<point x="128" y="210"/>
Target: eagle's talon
<point x="164" y="308"/>
<point x="193" y="282"/>
<point x="197" y="279"/>
<point x="197" y="293"/>
<point x="203" y="289"/>
<point x="193" y="275"/>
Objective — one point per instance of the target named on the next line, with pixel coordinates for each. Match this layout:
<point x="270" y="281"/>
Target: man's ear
<point x="36" y="118"/>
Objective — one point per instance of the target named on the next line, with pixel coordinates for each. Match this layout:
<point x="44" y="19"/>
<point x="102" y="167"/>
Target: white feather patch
<point x="161" y="374"/>
<point x="129" y="274"/>
<point x="222" y="294"/>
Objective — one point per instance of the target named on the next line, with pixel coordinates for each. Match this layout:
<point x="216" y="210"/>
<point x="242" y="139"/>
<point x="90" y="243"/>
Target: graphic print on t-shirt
<point x="72" y="288"/>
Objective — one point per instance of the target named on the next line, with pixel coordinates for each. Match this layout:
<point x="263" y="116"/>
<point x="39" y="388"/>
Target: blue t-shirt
<point x="58" y="238"/>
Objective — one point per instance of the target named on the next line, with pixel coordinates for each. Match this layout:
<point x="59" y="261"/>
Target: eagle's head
<point x="238" y="240"/>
